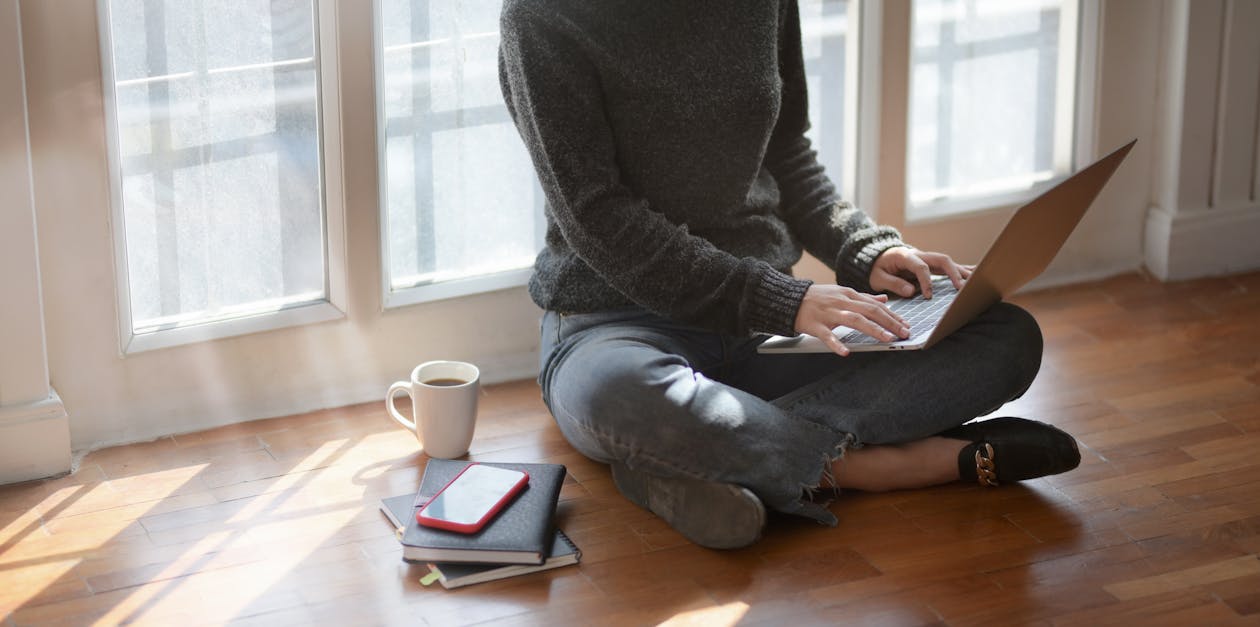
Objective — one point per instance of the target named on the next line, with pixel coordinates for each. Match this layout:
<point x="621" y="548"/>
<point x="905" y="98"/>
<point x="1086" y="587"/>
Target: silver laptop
<point x="1021" y="252"/>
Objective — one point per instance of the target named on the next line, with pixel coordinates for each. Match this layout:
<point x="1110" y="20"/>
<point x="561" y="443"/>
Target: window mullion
<point x="422" y="144"/>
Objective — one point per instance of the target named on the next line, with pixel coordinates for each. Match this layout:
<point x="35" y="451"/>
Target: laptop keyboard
<point x="920" y="314"/>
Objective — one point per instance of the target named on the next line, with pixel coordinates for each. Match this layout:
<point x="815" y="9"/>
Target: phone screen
<point x="476" y="490"/>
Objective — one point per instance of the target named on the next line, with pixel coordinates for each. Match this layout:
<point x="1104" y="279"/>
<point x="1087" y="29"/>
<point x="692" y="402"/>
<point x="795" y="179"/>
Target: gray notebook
<point x="520" y="534"/>
<point x="453" y="575"/>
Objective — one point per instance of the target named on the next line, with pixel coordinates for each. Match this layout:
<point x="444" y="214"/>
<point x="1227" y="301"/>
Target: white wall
<point x="1109" y="238"/>
<point x="114" y="399"/>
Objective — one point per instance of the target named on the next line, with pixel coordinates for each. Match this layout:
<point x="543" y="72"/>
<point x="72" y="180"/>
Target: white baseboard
<point x="34" y="440"/>
<point x="1191" y="244"/>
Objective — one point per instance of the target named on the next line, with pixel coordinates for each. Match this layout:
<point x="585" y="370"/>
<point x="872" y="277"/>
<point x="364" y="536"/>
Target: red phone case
<point x="449" y="525"/>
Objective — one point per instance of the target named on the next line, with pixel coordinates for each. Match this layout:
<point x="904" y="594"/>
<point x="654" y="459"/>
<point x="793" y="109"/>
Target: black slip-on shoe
<point x="1013" y="449"/>
<point x="709" y="513"/>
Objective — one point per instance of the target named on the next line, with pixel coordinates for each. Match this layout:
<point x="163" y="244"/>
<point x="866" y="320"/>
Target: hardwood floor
<point x="275" y="522"/>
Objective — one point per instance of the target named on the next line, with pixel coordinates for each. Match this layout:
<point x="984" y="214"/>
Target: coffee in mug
<point x="443" y="406"/>
<point x="445" y="382"/>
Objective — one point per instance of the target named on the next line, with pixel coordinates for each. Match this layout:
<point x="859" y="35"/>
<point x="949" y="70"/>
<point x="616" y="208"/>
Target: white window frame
<point x="883" y="146"/>
<point x="440" y="289"/>
<point x="284" y="314"/>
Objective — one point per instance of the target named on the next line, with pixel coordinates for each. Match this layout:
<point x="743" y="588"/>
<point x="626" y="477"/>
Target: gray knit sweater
<point x="669" y="138"/>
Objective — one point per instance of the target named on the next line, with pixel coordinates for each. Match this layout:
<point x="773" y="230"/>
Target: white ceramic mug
<point x="443" y="406"/>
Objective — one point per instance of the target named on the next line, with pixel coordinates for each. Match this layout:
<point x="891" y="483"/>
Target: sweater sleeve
<point x="553" y="93"/>
<point x="838" y="233"/>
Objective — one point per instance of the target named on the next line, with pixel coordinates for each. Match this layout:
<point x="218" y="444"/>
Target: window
<point x="462" y="209"/>
<point x="991" y="98"/>
<point x="830" y="62"/>
<point x="215" y="141"/>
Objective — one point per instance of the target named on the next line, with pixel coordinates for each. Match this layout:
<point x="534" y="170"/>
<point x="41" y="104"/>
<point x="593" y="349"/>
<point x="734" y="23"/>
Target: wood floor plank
<point x="1236" y="568"/>
<point x="274" y="522"/>
<point x="1148" y="429"/>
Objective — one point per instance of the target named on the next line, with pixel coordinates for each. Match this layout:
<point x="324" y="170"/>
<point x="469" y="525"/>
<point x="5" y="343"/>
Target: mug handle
<point x="404" y="386"/>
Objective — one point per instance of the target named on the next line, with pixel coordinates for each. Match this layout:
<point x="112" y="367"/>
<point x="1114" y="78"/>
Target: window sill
<point x="320" y="311"/>
<point x="947" y="208"/>
<point x="401" y="297"/>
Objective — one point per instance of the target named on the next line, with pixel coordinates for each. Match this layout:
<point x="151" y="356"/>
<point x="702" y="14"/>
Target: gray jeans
<point x="664" y="398"/>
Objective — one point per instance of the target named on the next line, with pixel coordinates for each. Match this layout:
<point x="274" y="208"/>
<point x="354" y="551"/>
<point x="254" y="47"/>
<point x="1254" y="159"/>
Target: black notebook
<point x="520" y="534"/>
<point x="451" y="575"/>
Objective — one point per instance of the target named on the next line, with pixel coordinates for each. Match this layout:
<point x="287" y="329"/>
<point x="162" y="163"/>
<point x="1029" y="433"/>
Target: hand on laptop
<point x="826" y="307"/>
<point x="898" y="269"/>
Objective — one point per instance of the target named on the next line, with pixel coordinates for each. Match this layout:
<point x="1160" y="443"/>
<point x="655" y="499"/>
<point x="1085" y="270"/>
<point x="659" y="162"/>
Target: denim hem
<point x="805" y="504"/>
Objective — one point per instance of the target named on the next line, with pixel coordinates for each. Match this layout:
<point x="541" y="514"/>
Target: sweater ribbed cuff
<point x="775" y="301"/>
<point x="853" y="264"/>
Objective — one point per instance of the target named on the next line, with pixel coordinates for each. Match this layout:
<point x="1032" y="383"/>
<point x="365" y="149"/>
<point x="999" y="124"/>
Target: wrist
<point x="775" y="301"/>
<point x="857" y="259"/>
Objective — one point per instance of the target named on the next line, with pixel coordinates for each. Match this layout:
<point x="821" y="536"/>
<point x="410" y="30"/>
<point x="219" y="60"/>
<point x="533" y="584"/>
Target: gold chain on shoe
<point x="986" y="471"/>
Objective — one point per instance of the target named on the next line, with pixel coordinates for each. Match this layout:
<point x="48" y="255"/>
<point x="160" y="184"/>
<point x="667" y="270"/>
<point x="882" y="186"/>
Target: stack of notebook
<point x="520" y="539"/>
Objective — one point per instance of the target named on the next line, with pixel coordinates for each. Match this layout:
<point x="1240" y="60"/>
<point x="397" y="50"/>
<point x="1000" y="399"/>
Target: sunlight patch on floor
<point x="132" y="607"/>
<point x="728" y="614"/>
<point x="26" y="523"/>
<point x="65" y="540"/>
<point x="291" y="520"/>
<point x="277" y="492"/>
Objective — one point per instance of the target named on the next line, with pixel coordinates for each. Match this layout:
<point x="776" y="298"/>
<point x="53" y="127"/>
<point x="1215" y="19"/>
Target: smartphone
<point x="472" y="498"/>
